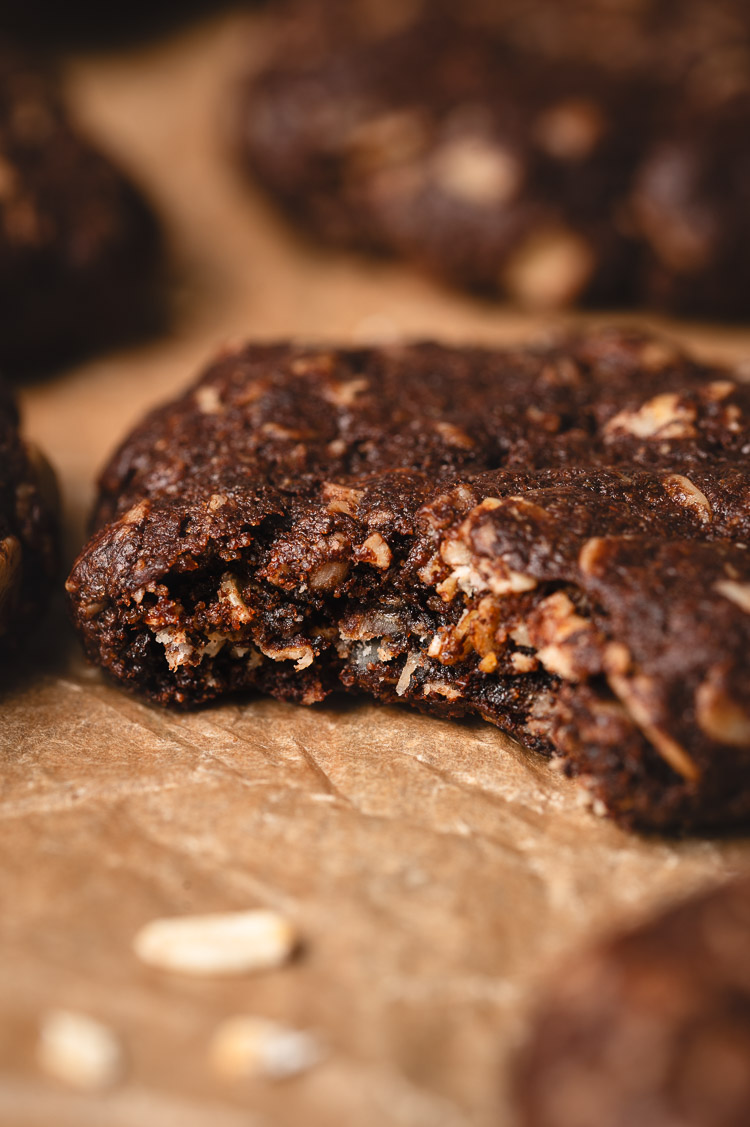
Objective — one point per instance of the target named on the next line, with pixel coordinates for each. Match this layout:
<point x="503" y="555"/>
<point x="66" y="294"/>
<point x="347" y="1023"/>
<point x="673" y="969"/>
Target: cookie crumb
<point x="246" y="1046"/>
<point x="79" y="1051"/>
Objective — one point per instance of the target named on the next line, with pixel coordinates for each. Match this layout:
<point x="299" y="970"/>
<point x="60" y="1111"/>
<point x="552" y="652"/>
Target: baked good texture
<point x="653" y="1027"/>
<point x="591" y="151"/>
<point x="79" y="247"/>
<point x="29" y="535"/>
<point x="552" y="537"/>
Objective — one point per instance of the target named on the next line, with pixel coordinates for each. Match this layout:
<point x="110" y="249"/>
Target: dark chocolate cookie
<point x="556" y="153"/>
<point x="79" y="247"/>
<point x="28" y="531"/>
<point x="554" y="538"/>
<point x="652" y="1028"/>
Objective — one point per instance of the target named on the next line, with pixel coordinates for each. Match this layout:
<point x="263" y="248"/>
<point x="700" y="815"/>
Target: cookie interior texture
<point x="651" y="1027"/>
<point x="553" y="538"/>
<point x="557" y="153"/>
<point x="29" y="533"/>
<point x="79" y="246"/>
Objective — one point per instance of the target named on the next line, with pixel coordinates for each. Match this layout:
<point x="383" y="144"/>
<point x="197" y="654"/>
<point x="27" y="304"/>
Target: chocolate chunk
<point x="554" y="538"/>
<point x="28" y="531"/>
<point x="78" y="244"/>
<point x="586" y="152"/>
<point x="652" y="1027"/>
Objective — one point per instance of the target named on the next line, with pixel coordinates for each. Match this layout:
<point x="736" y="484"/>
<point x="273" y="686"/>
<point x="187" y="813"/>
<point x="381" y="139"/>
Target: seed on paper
<point x="79" y="1051"/>
<point x="217" y="944"/>
<point x="253" y="1046"/>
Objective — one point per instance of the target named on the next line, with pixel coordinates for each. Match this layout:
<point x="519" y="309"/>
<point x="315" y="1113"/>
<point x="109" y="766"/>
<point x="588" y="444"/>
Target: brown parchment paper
<point x="437" y="872"/>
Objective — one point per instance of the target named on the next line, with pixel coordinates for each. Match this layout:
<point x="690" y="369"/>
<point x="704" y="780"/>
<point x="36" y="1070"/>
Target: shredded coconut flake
<point x="411" y="663"/>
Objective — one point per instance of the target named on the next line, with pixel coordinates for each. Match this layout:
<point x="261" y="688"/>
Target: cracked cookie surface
<point x="553" y="538"/>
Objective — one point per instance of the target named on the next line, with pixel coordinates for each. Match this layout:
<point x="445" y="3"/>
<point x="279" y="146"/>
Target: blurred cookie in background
<point x="554" y="154"/>
<point x="29" y="535"/>
<point x="651" y="1028"/>
<point x="79" y="246"/>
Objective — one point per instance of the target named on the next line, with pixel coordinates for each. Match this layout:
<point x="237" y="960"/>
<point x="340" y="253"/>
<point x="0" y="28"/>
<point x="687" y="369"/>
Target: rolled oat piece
<point x="29" y="534"/>
<point x="651" y="1027"/>
<point x="551" y="537"/>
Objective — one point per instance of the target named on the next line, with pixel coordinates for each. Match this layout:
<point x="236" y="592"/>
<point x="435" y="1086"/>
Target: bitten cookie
<point x="79" y="247"/>
<point x="651" y="1028"/>
<point x="554" y="538"/>
<point x="28" y="531"/>
<point x="587" y="152"/>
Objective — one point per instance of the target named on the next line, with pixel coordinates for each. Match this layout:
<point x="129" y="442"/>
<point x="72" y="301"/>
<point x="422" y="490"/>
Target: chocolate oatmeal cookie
<point x="589" y="151"/>
<point x="78" y="244"/>
<point x="553" y="538"/>
<point x="652" y="1028"/>
<point x="28" y="530"/>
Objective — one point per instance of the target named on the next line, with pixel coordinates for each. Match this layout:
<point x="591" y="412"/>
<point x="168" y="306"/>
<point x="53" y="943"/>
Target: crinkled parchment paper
<point x="436" y="872"/>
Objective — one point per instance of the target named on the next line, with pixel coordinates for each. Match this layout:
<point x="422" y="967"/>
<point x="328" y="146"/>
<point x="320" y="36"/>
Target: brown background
<point x="437" y="872"/>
